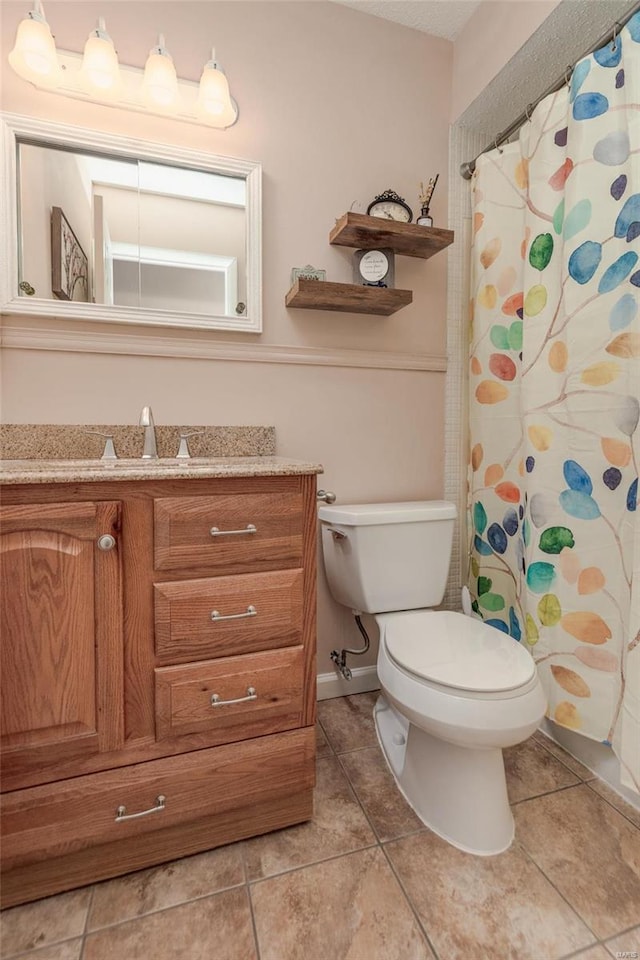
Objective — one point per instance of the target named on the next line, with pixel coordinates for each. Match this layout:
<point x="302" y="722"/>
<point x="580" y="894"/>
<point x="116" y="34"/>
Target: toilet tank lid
<point x="367" y="514"/>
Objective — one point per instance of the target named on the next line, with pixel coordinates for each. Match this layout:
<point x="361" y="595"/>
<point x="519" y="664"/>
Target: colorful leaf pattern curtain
<point x="555" y="396"/>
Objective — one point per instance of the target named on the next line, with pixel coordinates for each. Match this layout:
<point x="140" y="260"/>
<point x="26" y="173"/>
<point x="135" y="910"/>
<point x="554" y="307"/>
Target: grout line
<point x="548" y="793"/>
<point x="313" y="863"/>
<point x="359" y="801"/>
<point x="376" y="832"/>
<point x="612" y="805"/>
<point x="367" y="746"/>
<point x="86" y="922"/>
<point x="541" y="742"/>
<point x="169" y="906"/>
<point x="326" y="736"/>
<point x="578" y="953"/>
<point x="256" y="939"/>
<point x="409" y="901"/>
<point x="573" y="909"/>
<point x="32" y="954"/>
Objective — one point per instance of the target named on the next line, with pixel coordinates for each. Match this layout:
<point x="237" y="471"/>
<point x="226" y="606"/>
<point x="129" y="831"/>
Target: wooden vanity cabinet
<point x="158" y="672"/>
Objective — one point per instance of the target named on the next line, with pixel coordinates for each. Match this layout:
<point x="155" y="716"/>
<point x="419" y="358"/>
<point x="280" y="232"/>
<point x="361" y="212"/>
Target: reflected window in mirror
<point x="111" y="235"/>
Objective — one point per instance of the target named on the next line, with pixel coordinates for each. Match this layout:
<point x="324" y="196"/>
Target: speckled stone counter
<point x="45" y="441"/>
<point x="76" y="471"/>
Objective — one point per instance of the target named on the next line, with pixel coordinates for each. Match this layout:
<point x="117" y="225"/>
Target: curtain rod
<point x="467" y="168"/>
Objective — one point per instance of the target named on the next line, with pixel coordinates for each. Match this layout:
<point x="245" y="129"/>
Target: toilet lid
<point x="457" y="651"/>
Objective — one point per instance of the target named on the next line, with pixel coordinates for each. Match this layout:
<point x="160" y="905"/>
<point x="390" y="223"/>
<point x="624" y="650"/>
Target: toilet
<point x="455" y="692"/>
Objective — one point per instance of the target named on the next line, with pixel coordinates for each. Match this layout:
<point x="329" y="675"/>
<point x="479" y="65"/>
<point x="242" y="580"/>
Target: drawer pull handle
<point x="216" y="532"/>
<point x="250" y="612"/>
<point x="121" y="812"/>
<point x="217" y="702"/>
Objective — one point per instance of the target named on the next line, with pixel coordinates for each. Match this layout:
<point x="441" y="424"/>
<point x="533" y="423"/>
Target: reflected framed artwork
<point x="69" y="264"/>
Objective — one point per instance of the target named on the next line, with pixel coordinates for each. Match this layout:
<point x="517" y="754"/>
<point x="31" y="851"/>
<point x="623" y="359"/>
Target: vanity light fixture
<point x="97" y="76"/>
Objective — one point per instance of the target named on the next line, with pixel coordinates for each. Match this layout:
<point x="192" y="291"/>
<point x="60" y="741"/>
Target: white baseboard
<point x="333" y="685"/>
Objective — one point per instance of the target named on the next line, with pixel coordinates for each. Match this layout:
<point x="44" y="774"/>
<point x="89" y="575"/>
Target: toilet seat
<point x="456" y="652"/>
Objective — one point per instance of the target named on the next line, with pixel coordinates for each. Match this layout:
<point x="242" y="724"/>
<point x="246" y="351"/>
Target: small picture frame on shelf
<point x="307" y="273"/>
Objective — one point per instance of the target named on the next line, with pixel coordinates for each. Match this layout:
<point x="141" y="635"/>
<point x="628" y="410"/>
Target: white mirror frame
<point x="16" y="127"/>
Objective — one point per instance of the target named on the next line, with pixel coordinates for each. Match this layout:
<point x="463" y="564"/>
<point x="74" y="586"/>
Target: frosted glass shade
<point x="214" y="100"/>
<point x="34" y="54"/>
<point x="160" y="84"/>
<point x="100" y="72"/>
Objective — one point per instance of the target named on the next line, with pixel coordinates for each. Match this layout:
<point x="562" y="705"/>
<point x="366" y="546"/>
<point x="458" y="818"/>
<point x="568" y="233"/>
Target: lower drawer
<point x="233" y="697"/>
<point x="57" y="819"/>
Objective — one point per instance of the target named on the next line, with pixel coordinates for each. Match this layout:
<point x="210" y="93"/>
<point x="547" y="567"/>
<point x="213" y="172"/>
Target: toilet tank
<point x="380" y="557"/>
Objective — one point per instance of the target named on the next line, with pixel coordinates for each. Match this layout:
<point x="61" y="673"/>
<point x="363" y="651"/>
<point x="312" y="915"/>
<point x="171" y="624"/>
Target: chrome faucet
<point x="150" y="451"/>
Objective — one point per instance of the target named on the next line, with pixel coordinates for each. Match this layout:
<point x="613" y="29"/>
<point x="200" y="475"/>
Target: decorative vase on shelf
<point x="425" y="219"/>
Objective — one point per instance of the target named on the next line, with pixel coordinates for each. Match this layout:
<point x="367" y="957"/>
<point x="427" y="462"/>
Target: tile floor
<point x="365" y="880"/>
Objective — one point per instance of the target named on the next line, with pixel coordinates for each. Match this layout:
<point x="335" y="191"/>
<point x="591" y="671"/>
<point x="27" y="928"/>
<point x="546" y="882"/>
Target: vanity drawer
<point x="241" y="531"/>
<point x="221" y="616"/>
<point x="57" y="819"/>
<point x="254" y="695"/>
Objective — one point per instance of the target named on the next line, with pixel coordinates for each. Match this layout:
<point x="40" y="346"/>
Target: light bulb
<point x="100" y="72"/>
<point x="214" y="99"/>
<point x="34" y="55"/>
<point x="160" y="83"/>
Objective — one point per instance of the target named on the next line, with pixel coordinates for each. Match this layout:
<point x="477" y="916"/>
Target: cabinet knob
<point x="106" y="542"/>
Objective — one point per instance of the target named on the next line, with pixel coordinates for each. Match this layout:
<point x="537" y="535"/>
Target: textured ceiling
<point x="442" y="18"/>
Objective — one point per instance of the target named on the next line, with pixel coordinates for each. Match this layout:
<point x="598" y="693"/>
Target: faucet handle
<point x="183" y="450"/>
<point x="109" y="452"/>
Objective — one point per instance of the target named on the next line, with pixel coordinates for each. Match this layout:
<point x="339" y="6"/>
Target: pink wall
<point x="490" y="38"/>
<point x="337" y="106"/>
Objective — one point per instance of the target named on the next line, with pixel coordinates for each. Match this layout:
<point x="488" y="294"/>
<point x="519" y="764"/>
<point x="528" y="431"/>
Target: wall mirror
<point x="99" y="227"/>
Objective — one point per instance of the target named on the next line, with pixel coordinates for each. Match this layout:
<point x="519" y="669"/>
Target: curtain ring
<point x="527" y="111"/>
<point x="568" y="74"/>
<point x="496" y="146"/>
<point x="613" y="39"/>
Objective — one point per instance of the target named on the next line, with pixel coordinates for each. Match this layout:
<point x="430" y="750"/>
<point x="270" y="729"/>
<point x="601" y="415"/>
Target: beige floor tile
<point x="563" y="755"/>
<point x="589" y="852"/>
<point x="485" y="907"/>
<point x="43" y="922"/>
<point x="616" y="801"/>
<point x="165" y="886"/>
<point x="531" y="770"/>
<point x="625" y="943"/>
<point x="351" y="908"/>
<point x="323" y="747"/>
<point x="388" y="811"/>
<point x="348" y="721"/>
<point x="69" y="950"/>
<point x="338" y="826"/>
<point x="218" y="926"/>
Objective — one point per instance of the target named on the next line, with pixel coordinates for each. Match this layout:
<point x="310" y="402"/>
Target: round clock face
<point x="390" y="210"/>
<point x="373" y="266"/>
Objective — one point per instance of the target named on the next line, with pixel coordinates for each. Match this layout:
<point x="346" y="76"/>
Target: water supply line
<point x="340" y="659"/>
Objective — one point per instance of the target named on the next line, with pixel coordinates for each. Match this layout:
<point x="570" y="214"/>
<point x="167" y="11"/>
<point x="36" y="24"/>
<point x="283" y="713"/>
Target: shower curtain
<point x="554" y="553"/>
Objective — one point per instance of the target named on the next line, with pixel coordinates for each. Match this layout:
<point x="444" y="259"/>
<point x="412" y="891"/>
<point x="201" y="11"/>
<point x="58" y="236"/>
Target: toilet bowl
<point x="447" y="710"/>
<point x="455" y="691"/>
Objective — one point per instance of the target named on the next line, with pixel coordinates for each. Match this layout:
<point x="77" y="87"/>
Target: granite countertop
<point x="68" y="453"/>
<point x="76" y="471"/>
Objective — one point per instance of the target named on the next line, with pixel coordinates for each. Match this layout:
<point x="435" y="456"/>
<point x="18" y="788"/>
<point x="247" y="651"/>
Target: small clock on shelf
<point x="390" y="206"/>
<point x="374" y="268"/>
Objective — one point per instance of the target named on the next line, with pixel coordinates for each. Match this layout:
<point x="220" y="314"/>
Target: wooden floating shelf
<point x="347" y="297"/>
<point x="368" y="233"/>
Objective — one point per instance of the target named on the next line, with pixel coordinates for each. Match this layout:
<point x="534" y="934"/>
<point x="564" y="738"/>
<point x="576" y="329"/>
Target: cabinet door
<point x="61" y="633"/>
